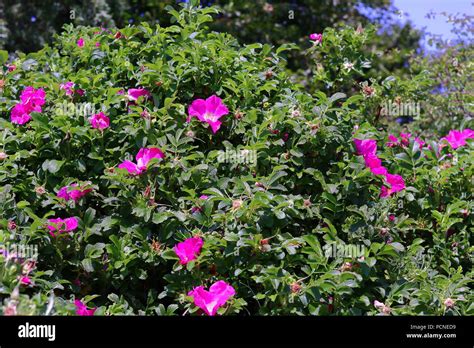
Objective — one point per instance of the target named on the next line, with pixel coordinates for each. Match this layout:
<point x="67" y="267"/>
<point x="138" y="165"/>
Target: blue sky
<point x="416" y="11"/>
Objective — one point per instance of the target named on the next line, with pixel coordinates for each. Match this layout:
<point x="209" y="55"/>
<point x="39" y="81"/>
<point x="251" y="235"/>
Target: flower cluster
<point x="73" y="192"/>
<point x="31" y="101"/>
<point x="208" y="111"/>
<point x="368" y="148"/>
<point x="403" y="141"/>
<point x="68" y="87"/>
<point x="457" y="138"/>
<point x="27" y="268"/>
<point x="59" y="225"/>
<point x="255" y="229"/>
<point x="218" y="294"/>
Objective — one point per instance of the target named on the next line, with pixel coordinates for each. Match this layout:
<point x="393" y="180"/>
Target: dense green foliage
<point x="267" y="225"/>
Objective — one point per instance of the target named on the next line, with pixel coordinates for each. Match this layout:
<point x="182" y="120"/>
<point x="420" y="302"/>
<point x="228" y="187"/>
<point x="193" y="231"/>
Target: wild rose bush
<point x="123" y="164"/>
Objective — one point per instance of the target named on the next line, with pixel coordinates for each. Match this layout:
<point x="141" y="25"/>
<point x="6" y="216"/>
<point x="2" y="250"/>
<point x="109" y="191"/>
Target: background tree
<point x="35" y="22"/>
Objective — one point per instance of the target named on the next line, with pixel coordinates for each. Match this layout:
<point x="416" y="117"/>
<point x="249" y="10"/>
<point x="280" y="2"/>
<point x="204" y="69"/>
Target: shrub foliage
<point x="299" y="229"/>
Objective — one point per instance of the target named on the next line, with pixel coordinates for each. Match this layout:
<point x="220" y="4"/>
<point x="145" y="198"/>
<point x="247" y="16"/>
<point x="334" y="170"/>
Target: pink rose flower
<point x="80" y="42"/>
<point x="143" y="157"/>
<point x="396" y="183"/>
<point x="33" y="98"/>
<point x="68" y="87"/>
<point x="60" y="226"/>
<point x="135" y="93"/>
<point x="457" y="139"/>
<point x="130" y="167"/>
<point x="63" y="193"/>
<point x="379" y="170"/>
<point x="81" y="309"/>
<point x="72" y="192"/>
<point x="20" y="114"/>
<point x="365" y="147"/>
<point x="420" y="142"/>
<point x="375" y="165"/>
<point x="189" y="249"/>
<point x="392" y="141"/>
<point x="25" y="280"/>
<point x="368" y="148"/>
<point x="317" y="38"/>
<point x="75" y="195"/>
<point x="468" y="133"/>
<point x="209" y="110"/>
<point x="99" y="121"/>
<point x="405" y="139"/>
<point x="210" y="301"/>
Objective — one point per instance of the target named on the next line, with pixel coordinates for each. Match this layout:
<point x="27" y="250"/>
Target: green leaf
<point x="22" y="204"/>
<point x="336" y="96"/>
<point x="397" y="246"/>
<point x="169" y="255"/>
<point x="94" y="251"/>
<point x="52" y="166"/>
<point x="87" y="265"/>
<point x="3" y="56"/>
